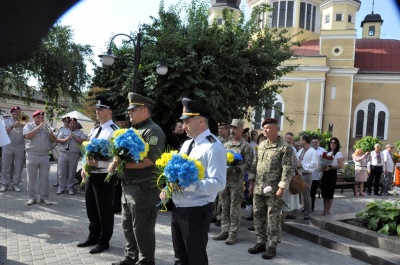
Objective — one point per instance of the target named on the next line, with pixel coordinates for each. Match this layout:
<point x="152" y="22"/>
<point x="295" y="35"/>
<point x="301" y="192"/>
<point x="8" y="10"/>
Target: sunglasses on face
<point x="332" y="142"/>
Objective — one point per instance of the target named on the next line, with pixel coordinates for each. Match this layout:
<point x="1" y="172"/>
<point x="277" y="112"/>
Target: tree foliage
<point x="58" y="64"/>
<point x="367" y="143"/>
<point x="324" y="137"/>
<point x="227" y="67"/>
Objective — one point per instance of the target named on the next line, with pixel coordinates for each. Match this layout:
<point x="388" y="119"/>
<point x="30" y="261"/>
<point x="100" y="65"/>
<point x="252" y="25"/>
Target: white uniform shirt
<point x="107" y="130"/>
<point x="213" y="157"/>
<point x="388" y="161"/>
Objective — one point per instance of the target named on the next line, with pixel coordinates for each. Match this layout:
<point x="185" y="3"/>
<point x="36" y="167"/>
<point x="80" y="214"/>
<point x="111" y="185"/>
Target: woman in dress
<point x="329" y="175"/>
<point x="360" y="167"/>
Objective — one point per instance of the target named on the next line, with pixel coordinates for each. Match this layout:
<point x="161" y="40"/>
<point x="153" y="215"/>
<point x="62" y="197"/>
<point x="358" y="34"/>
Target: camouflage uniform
<point x="273" y="167"/>
<point x="231" y="197"/>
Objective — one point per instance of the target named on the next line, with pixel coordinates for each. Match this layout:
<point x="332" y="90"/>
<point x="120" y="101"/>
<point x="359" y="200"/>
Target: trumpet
<point x="49" y="129"/>
<point x="23" y="119"/>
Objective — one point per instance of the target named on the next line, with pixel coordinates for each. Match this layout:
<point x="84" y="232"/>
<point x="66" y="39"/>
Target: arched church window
<point x="370" y="119"/>
<point x="307" y="18"/>
<point x="275" y="113"/>
<point x="381" y="125"/>
<point x="360" y="123"/>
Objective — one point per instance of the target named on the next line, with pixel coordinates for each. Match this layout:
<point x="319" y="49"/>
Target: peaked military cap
<point x="192" y="108"/>
<point x="136" y="100"/>
<point x="269" y="121"/>
<point x="102" y="103"/>
<point x="222" y="123"/>
<point x="38" y="112"/>
<point x="121" y="117"/>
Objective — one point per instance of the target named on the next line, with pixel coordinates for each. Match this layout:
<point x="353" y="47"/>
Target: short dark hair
<point x="315" y="137"/>
<point x="289" y="133"/>
<point x="306" y="138"/>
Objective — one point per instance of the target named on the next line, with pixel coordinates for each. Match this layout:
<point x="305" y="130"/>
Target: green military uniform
<point x="272" y="166"/>
<point x="232" y="196"/>
<point x="139" y="193"/>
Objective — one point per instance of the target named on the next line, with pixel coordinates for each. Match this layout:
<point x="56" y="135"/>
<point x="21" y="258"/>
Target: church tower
<point x="218" y="5"/>
<point x="338" y="33"/>
<point x="371" y="26"/>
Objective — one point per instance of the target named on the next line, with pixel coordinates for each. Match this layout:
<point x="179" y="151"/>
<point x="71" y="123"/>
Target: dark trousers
<point x="190" y="227"/>
<point x="117" y="197"/>
<point x="313" y="192"/>
<point x="375" y="176"/>
<point x="99" y="196"/>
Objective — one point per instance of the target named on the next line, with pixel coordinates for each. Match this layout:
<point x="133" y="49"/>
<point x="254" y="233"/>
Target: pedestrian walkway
<point x="41" y="234"/>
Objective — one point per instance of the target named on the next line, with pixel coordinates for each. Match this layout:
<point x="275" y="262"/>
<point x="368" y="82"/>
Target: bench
<point x="344" y="183"/>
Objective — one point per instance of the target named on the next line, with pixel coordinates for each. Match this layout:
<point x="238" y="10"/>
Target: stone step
<point x="335" y="225"/>
<point x="346" y="246"/>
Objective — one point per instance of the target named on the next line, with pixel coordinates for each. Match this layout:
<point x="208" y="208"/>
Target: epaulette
<point x="7" y="117"/>
<point x="114" y="127"/>
<point x="211" y="139"/>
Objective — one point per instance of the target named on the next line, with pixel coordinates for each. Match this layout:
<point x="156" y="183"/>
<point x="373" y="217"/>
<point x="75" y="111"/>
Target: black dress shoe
<point x="251" y="228"/>
<point x="98" y="249"/>
<point x="378" y="194"/>
<point x="87" y="242"/>
<point x="259" y="247"/>
<point x="214" y="220"/>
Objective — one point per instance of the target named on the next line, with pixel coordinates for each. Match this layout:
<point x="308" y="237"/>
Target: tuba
<point x="24" y="119"/>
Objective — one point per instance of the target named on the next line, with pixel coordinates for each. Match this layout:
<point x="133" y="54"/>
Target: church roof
<point x="372" y="18"/>
<point x="371" y="55"/>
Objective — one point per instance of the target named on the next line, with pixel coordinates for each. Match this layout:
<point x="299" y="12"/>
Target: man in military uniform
<point x="98" y="193"/>
<point x="70" y="141"/>
<point x="223" y="132"/>
<point x="232" y="196"/>
<point x="139" y="194"/>
<point x="37" y="143"/>
<point x="191" y="217"/>
<point x="272" y="167"/>
<point x="13" y="154"/>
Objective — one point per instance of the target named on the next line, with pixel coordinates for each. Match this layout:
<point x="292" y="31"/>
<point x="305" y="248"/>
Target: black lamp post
<point x="109" y="58"/>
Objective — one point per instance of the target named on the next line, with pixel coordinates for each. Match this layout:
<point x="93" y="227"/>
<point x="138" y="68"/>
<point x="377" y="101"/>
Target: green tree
<point x="227" y="67"/>
<point x="323" y="137"/>
<point x="367" y="143"/>
<point x="58" y="64"/>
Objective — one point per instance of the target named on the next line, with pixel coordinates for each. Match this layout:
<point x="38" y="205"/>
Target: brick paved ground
<point x="41" y="234"/>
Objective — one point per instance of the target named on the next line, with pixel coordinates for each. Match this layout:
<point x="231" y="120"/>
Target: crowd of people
<point x="268" y="163"/>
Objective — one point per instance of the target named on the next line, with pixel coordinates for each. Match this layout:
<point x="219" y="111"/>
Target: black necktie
<point x="190" y="147"/>
<point x="98" y="132"/>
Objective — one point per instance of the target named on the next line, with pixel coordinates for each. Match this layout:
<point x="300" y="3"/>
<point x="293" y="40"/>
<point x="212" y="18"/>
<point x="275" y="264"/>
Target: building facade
<point x="345" y="85"/>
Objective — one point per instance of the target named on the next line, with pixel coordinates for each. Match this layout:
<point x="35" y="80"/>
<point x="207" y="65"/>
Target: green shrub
<point x="383" y="216"/>
<point x="367" y="143"/>
<point x="323" y="137"/>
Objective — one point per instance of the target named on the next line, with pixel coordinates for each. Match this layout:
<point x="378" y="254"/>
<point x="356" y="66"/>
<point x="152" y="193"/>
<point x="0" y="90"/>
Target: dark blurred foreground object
<point x="24" y="23"/>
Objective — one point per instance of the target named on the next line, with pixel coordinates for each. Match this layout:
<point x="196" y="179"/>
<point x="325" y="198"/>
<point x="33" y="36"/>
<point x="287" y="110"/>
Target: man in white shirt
<point x="316" y="174"/>
<point x="375" y="168"/>
<point x="308" y="162"/>
<point x="389" y="165"/>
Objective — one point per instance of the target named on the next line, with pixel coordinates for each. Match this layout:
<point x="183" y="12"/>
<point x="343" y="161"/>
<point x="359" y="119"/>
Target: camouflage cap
<point x="237" y="123"/>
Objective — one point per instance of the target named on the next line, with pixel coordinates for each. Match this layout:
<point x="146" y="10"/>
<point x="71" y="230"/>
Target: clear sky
<point x="96" y="21"/>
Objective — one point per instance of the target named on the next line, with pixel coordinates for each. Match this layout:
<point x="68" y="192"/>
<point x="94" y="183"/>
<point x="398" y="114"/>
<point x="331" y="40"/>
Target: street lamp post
<point x="109" y="58"/>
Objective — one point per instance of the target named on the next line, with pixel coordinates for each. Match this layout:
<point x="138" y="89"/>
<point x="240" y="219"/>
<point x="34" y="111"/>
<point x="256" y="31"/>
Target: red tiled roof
<point x="377" y="55"/>
<point x="372" y="55"/>
<point x="308" y="48"/>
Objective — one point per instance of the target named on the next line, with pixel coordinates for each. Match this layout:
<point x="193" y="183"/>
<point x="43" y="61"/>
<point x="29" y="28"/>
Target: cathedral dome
<point x="372" y="18"/>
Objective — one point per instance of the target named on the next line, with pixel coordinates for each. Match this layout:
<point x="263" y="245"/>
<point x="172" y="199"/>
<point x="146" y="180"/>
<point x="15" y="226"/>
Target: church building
<point x="345" y="85"/>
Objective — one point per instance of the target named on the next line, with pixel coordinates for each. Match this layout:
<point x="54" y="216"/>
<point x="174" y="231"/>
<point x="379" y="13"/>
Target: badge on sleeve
<point x="211" y="139"/>
<point x="153" y="140"/>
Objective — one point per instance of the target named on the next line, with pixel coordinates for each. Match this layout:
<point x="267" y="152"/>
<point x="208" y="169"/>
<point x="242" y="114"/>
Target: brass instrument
<point x="49" y="129"/>
<point x="23" y="119"/>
